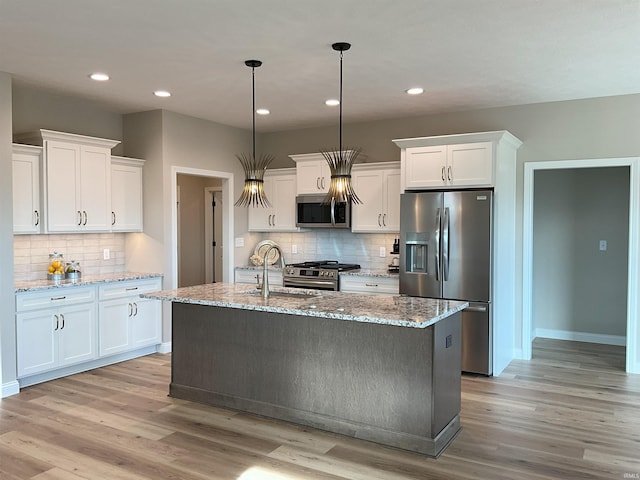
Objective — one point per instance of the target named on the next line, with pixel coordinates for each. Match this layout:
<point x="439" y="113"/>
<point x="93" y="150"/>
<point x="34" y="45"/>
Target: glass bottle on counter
<point x="55" y="271"/>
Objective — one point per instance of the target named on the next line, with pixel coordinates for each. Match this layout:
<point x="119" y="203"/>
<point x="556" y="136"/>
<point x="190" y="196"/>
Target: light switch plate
<point x="603" y="245"/>
<point x="294" y="248"/>
<point x="106" y="254"/>
<point x="383" y="252"/>
<point x="239" y="241"/>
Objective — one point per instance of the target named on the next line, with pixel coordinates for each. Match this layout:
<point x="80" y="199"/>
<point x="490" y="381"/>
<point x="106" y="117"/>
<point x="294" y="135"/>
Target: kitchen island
<point x="383" y="368"/>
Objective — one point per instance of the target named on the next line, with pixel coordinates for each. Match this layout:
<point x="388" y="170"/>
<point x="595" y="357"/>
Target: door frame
<point x="633" y="314"/>
<point x="209" y="193"/>
<point x="227" y="219"/>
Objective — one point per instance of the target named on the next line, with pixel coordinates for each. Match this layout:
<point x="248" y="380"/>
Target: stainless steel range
<point x="319" y="275"/>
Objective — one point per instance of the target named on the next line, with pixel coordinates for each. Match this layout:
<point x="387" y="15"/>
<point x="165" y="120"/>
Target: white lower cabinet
<point x="369" y="284"/>
<point x="254" y="276"/>
<point x="127" y="321"/>
<point x="78" y="325"/>
<point x="55" y="330"/>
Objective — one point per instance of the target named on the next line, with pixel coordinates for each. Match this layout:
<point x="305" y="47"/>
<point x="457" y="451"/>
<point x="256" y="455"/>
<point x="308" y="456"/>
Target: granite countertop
<point x="83" y="280"/>
<point x="383" y="309"/>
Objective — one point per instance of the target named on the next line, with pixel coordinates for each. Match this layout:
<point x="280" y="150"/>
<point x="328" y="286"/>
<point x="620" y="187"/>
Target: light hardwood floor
<point x="570" y="413"/>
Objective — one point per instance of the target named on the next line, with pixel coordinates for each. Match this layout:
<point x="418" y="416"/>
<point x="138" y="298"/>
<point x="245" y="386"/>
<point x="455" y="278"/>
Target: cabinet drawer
<point x="249" y="276"/>
<point x="128" y="288"/>
<point x="360" y="284"/>
<point x="54" y="297"/>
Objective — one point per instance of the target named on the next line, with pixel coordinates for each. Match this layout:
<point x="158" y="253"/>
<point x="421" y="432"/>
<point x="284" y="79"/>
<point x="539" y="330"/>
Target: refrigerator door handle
<point x="437" y="254"/>
<point x="476" y="308"/>
<point x="445" y="245"/>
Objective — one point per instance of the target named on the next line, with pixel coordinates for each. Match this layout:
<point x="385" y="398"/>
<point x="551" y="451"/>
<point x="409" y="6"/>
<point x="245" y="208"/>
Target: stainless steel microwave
<point x="313" y="211"/>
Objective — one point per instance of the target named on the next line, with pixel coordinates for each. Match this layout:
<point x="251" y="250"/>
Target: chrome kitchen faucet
<point x="265" y="275"/>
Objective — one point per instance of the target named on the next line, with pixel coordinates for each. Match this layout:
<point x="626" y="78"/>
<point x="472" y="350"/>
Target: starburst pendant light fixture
<point x="340" y="161"/>
<point x="253" y="194"/>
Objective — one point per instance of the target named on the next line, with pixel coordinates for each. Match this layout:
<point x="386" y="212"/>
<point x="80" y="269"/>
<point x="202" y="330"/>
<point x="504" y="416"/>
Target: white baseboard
<point x="604" y="339"/>
<point x="10" y="388"/>
<point x="164" y="347"/>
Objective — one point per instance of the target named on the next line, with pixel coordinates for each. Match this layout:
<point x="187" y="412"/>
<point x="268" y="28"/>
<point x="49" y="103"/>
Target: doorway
<point x="629" y="309"/>
<point x="188" y="224"/>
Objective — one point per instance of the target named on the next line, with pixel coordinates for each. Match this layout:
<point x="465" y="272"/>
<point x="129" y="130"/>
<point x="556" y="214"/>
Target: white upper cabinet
<point x="126" y="194"/>
<point x="77" y="182"/>
<point x="378" y="186"/>
<point x="312" y="172"/>
<point x="469" y="160"/>
<point x="280" y="189"/>
<point x="27" y="210"/>
<point x="463" y="165"/>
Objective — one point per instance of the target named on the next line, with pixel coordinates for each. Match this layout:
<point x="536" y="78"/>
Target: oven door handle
<point x="305" y="283"/>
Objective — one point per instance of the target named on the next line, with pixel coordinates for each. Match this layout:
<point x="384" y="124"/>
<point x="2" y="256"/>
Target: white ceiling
<point x="467" y="54"/>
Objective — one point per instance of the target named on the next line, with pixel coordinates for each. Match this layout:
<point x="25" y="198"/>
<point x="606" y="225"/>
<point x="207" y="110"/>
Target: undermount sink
<point x="288" y="293"/>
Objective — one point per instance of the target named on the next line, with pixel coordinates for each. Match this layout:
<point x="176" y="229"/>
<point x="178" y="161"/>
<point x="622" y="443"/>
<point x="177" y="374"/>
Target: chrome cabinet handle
<point x="84" y="214"/>
<point x="449" y="175"/>
<point x="130" y="309"/>
<point x="135" y="305"/>
<point x="322" y="183"/>
<point x="113" y="218"/>
<point x="62" y="316"/>
<point x="131" y="288"/>
<point x="371" y="285"/>
<point x="333" y="211"/>
<point x="57" y="322"/>
<point x="384" y="219"/>
<point x="37" y="214"/>
<point x="53" y="299"/>
<point x="318" y="183"/>
<point x="379" y="215"/>
<point x="79" y="217"/>
<point x="442" y="174"/>
<point x="274" y="220"/>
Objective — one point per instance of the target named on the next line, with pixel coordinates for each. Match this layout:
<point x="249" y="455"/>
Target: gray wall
<point x="7" y="291"/>
<point x="577" y="287"/>
<point x="34" y="109"/>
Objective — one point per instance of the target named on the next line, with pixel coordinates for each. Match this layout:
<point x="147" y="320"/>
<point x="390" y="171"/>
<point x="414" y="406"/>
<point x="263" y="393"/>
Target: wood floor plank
<point x="569" y="413"/>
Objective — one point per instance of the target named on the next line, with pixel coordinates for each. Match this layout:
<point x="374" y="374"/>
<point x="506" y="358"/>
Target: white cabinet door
<point x="379" y="189"/>
<point x="36" y="335"/>
<point x="284" y="201"/>
<point x="145" y="323"/>
<point x="370" y="284"/>
<point x="76" y="335"/>
<point x="460" y="165"/>
<point x="126" y="197"/>
<point x="26" y="188"/>
<point x="368" y="185"/>
<point x="113" y="318"/>
<point x="313" y="176"/>
<point x="425" y="167"/>
<point x="391" y="219"/>
<point x="64" y="213"/>
<point x="95" y="188"/>
<point x="470" y="165"/>
<point x="280" y="188"/>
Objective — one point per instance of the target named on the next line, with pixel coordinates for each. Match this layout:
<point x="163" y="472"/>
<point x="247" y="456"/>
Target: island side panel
<point x="300" y="368"/>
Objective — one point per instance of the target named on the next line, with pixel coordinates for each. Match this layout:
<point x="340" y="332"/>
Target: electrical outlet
<point x="106" y="254"/>
<point x="239" y="241"/>
<point x="383" y="252"/>
<point x="294" y="248"/>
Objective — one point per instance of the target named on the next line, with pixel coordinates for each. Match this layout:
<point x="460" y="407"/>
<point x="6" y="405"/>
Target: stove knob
<point x="322" y="274"/>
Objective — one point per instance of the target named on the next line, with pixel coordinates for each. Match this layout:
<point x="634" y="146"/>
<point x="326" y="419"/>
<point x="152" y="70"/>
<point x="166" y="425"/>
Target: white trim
<point x="164" y="347"/>
<point x="619" y="340"/>
<point x="633" y="315"/>
<point x="227" y="219"/>
<point x="10" y="388"/>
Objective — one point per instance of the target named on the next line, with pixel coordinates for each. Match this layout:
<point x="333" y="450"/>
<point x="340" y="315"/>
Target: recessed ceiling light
<point x="99" y="77"/>
<point x="332" y="102"/>
<point x="415" y="91"/>
<point x="162" y="93"/>
<point x="263" y="111"/>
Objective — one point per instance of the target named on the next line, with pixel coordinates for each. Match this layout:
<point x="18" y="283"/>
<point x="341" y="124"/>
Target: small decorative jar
<point x="72" y="270"/>
<point x="55" y="271"/>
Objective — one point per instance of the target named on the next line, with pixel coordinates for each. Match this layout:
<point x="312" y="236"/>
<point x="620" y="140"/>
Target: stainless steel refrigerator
<point x="445" y="252"/>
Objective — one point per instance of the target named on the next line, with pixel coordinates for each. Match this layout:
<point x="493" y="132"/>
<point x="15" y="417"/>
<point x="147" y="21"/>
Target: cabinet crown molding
<point x="496" y="136"/>
<point x="28" y="149"/>
<point x="136" y="162"/>
<point x="40" y="136"/>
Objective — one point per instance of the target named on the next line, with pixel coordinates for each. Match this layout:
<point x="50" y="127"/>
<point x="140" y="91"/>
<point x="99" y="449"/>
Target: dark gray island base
<point x="394" y="385"/>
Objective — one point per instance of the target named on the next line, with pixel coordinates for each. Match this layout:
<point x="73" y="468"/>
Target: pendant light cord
<point x="341" y="103"/>
<point x="253" y="107"/>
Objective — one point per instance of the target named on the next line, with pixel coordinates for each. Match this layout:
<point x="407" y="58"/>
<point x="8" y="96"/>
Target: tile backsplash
<point x="31" y="253"/>
<point x="336" y="244"/>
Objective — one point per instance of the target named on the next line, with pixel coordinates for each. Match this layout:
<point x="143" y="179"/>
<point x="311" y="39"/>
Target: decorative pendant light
<point x="253" y="194"/>
<point x="341" y="161"/>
